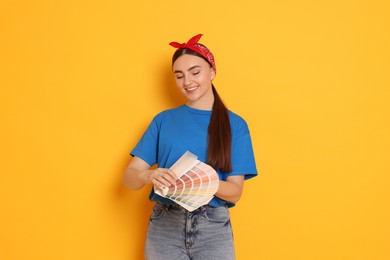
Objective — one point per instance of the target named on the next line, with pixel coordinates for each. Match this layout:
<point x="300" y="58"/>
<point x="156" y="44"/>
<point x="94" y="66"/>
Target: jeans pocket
<point x="157" y="212"/>
<point x="217" y="215"/>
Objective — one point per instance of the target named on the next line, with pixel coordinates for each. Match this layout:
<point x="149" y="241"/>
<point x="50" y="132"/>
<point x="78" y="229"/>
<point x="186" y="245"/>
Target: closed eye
<point x="179" y="76"/>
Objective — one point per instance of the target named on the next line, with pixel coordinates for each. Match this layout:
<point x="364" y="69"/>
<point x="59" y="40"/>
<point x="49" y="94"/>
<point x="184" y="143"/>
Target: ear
<point x="212" y="74"/>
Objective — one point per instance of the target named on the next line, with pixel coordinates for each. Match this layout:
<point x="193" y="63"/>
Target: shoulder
<point x="238" y="125"/>
<point x="236" y="120"/>
<point x="168" y="113"/>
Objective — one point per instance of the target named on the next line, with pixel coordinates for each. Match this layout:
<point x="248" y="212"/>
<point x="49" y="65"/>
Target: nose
<point x="187" y="81"/>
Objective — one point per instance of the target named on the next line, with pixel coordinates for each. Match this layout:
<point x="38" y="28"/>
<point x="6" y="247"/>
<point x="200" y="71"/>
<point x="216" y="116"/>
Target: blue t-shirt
<point x="175" y="131"/>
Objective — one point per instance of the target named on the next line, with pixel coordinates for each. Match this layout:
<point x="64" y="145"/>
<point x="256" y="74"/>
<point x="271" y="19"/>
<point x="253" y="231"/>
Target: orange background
<point x="81" y="80"/>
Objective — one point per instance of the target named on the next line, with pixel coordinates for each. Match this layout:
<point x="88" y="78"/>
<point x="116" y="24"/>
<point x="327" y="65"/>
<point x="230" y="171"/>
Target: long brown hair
<point x="219" y="132"/>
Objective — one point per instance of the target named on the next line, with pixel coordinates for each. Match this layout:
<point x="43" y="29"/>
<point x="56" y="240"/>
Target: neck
<point x="204" y="103"/>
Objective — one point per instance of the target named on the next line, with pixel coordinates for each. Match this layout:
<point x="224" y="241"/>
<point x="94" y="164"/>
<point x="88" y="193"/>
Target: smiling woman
<point x="219" y="137"/>
<point x="193" y="77"/>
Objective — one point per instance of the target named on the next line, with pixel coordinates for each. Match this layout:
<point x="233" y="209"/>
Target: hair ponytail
<point x="219" y="136"/>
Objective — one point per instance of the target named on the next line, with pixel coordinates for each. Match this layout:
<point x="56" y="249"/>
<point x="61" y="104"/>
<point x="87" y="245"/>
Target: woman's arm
<point x="138" y="173"/>
<point x="231" y="189"/>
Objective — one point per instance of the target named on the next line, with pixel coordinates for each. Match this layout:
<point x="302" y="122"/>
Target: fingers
<point x="171" y="175"/>
<point x="163" y="177"/>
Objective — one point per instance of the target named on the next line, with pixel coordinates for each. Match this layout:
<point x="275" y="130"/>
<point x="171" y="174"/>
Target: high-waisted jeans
<point x="176" y="234"/>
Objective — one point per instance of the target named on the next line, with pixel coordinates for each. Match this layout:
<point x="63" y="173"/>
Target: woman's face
<point x="193" y="76"/>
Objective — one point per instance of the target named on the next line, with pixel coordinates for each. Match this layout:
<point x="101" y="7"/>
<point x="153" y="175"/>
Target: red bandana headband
<point x="193" y="44"/>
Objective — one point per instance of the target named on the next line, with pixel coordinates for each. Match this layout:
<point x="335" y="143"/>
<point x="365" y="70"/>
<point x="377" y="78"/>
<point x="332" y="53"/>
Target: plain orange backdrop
<point x="81" y="80"/>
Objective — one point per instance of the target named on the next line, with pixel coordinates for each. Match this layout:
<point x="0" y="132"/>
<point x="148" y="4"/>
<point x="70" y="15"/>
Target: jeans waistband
<point x="177" y="206"/>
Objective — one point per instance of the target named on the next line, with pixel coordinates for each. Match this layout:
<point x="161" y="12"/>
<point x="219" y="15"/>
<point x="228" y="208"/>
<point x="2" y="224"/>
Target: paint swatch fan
<point x="196" y="184"/>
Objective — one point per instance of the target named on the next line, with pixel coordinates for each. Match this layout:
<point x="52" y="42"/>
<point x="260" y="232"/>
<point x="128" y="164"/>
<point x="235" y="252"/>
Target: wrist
<point x="141" y="177"/>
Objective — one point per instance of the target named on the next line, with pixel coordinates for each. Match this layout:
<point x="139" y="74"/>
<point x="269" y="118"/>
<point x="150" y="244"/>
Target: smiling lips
<point x="191" y="88"/>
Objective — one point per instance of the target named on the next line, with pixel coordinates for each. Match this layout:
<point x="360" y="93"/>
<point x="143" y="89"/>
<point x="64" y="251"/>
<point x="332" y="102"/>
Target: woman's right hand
<point x="138" y="173"/>
<point x="159" y="177"/>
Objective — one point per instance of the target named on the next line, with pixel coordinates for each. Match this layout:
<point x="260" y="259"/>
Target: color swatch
<point x="196" y="184"/>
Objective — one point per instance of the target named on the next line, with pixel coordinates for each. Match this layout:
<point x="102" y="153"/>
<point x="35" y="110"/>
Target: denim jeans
<point x="176" y="234"/>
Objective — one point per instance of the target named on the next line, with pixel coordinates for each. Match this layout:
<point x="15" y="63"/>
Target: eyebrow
<point x="191" y="68"/>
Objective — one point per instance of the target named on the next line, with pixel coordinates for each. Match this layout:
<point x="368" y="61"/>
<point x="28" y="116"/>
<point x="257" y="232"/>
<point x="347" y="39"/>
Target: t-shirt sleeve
<point x="243" y="160"/>
<point x="146" y="149"/>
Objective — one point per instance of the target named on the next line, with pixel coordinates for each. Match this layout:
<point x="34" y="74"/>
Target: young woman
<point x="219" y="137"/>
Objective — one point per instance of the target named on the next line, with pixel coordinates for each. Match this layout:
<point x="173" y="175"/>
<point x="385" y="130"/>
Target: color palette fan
<point x="196" y="184"/>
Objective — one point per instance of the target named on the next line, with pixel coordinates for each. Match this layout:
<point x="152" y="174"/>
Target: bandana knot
<point x="193" y="44"/>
